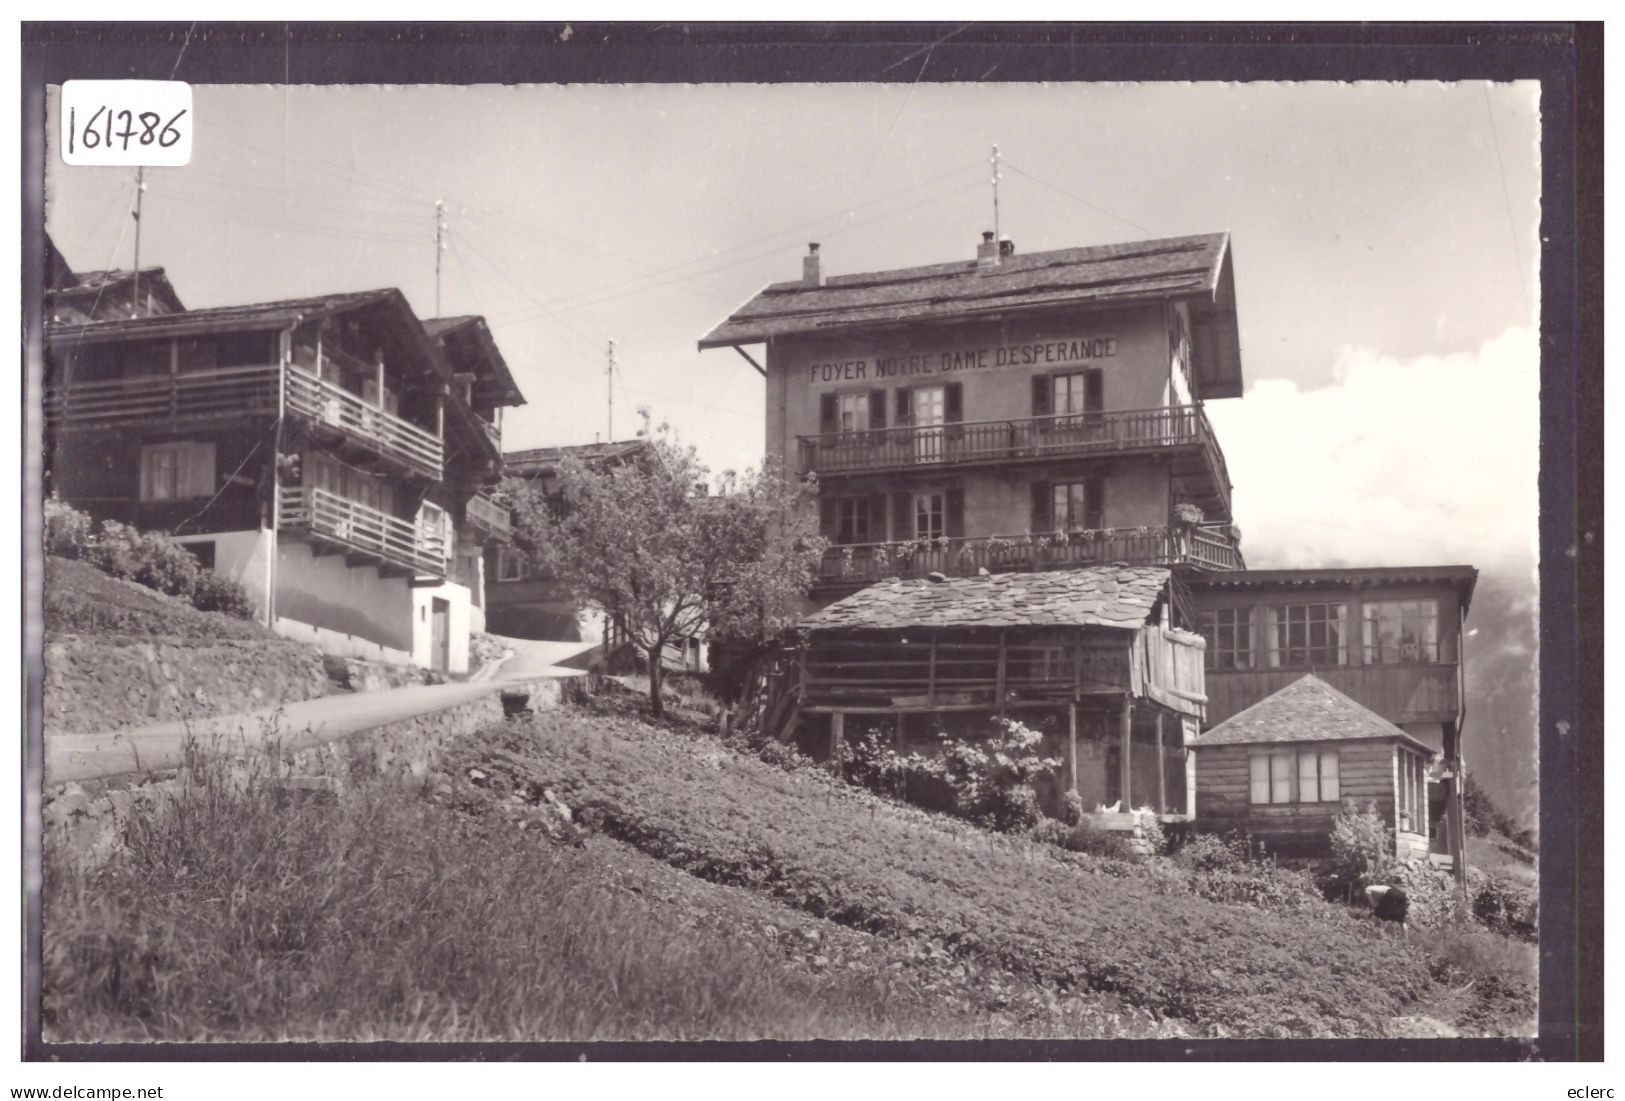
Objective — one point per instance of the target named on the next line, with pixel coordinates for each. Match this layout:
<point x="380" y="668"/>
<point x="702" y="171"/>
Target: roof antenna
<point x="994" y="161"/>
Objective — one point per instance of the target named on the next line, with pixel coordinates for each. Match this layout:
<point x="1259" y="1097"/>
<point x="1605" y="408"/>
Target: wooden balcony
<point x="489" y="517"/>
<point x="330" y="407"/>
<point x="210" y="396"/>
<point x="1180" y="431"/>
<point x="163" y="399"/>
<point x="363" y="535"/>
<point x="863" y="564"/>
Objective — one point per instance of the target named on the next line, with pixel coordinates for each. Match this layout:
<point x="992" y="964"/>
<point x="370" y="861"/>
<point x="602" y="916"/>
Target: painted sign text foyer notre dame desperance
<point x="1044" y="353"/>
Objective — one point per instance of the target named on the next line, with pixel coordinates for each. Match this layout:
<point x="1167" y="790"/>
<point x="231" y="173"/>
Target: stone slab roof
<point x="1307" y="710"/>
<point x="1093" y="596"/>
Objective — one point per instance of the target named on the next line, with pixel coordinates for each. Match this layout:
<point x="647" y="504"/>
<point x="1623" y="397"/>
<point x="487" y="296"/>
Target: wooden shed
<point x="1092" y="652"/>
<point x="1281" y="770"/>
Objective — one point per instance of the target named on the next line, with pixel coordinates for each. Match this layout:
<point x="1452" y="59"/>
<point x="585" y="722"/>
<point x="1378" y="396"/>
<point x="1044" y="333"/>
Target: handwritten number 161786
<point x="107" y="126"/>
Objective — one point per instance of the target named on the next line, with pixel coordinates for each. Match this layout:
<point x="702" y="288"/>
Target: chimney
<point x="1007" y="248"/>
<point x="812" y="267"/>
<point x="987" y="253"/>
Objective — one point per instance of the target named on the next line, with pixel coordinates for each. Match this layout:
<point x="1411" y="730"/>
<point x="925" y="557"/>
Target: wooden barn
<point x="1092" y="654"/>
<point x="1281" y="770"/>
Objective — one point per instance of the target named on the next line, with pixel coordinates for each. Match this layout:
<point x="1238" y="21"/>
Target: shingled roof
<point x="1092" y="596"/>
<point x="1195" y="268"/>
<point x="543" y="460"/>
<point x="1307" y="710"/>
<point x="1461" y="578"/>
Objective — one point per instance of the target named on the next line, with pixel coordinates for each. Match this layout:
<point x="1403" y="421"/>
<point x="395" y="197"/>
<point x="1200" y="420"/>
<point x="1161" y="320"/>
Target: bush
<point x="1086" y="837"/>
<point x="1205" y="852"/>
<point x="221" y="594"/>
<point x="1362" y="848"/>
<point x="989" y="781"/>
<point x="1504" y="904"/>
<point x="68" y="532"/>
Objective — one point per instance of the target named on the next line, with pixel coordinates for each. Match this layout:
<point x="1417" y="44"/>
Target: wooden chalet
<point x="326" y="452"/>
<point x="1282" y="769"/>
<point x="1093" y="650"/>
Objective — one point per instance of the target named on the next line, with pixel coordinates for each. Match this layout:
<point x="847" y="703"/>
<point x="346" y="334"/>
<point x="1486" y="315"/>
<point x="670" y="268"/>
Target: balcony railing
<point x="137" y="400"/>
<point x="491" y="517"/>
<point x="243" y="391"/>
<point x="863" y="563"/>
<point x="361" y="531"/>
<point x="325" y="403"/>
<point x="1064" y="436"/>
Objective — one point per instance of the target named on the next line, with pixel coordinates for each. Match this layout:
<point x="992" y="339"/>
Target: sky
<point x="1385" y="243"/>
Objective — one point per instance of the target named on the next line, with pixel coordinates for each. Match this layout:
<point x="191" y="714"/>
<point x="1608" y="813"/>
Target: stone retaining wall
<point x="94" y="685"/>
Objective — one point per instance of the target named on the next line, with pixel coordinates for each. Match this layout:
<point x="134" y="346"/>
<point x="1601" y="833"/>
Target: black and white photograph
<point x="893" y="560"/>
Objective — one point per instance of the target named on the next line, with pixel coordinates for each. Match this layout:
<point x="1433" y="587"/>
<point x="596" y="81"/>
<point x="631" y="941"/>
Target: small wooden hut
<point x="1093" y="649"/>
<point x="1282" y="769"/>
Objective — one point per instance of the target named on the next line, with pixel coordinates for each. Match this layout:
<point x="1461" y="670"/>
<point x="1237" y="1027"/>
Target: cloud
<point x="1399" y="461"/>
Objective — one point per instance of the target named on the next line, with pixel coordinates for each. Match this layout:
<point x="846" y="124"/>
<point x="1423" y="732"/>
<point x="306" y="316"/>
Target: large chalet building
<point x="1011" y="413"/>
<point x="330" y="453"/>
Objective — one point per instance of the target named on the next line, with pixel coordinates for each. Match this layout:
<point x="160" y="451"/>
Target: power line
<point x="1079" y="198"/>
<point x="1506" y="195"/>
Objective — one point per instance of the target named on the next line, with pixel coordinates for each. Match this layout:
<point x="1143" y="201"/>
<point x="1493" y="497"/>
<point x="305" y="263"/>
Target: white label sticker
<point x="130" y="122"/>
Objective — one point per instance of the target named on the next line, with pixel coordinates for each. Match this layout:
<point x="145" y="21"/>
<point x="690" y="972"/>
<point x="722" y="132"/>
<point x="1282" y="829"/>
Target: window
<point x="1229" y="635"/>
<point x="177" y="471"/>
<point x="852" y="411"/>
<point x="1078" y="506"/>
<point x="512" y="565"/>
<point x="929" y="516"/>
<point x="434" y="526"/>
<point x="1294" y="776"/>
<point x="852" y="520"/>
<point x="1308" y="634"/>
<point x="1399" y="631"/>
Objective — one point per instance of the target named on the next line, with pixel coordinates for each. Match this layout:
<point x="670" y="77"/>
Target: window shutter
<point x="1258" y="773"/>
<point x="905" y="405"/>
<point x="877" y="518"/>
<point x="1041" y="395"/>
<point x="1041" y="507"/>
<point x="877" y="408"/>
<point x="1094" y="504"/>
<point x="1094" y="390"/>
<point x="955" y="522"/>
<point x="954" y="403"/>
<point x="826" y="414"/>
<point x="826" y="516"/>
<point x="902" y="517"/>
<point x="200" y="470"/>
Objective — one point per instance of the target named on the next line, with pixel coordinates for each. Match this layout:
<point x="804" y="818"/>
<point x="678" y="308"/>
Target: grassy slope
<point x="1060" y="921"/>
<point x="80" y="599"/>
<point x="398" y="915"/>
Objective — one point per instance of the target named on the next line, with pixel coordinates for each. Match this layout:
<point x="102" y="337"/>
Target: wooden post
<point x="837" y="735"/>
<point x="1125" y="757"/>
<point x="931" y="676"/>
<point x="1162" y="771"/>
<point x="380" y="365"/>
<point x="1000" y="677"/>
<point x="440" y="417"/>
<point x="1072" y="743"/>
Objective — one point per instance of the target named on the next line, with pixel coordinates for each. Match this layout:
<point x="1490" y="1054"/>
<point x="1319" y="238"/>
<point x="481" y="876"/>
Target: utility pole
<point x="135" y="293"/>
<point x="609" y="385"/>
<point x="994" y="161"/>
<point x="439" y="247"/>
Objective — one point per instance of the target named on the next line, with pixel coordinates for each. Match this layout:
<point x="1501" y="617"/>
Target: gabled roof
<point x="1090" y="596"/>
<point x="1196" y="268"/>
<point x="242" y="318"/>
<point x="542" y="460"/>
<point x="1461" y="578"/>
<point x="469" y="336"/>
<point x="102" y="284"/>
<point x="1307" y="710"/>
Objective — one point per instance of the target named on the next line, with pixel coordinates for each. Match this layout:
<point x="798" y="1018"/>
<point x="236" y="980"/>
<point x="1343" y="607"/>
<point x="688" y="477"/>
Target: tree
<point x="645" y="543"/>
